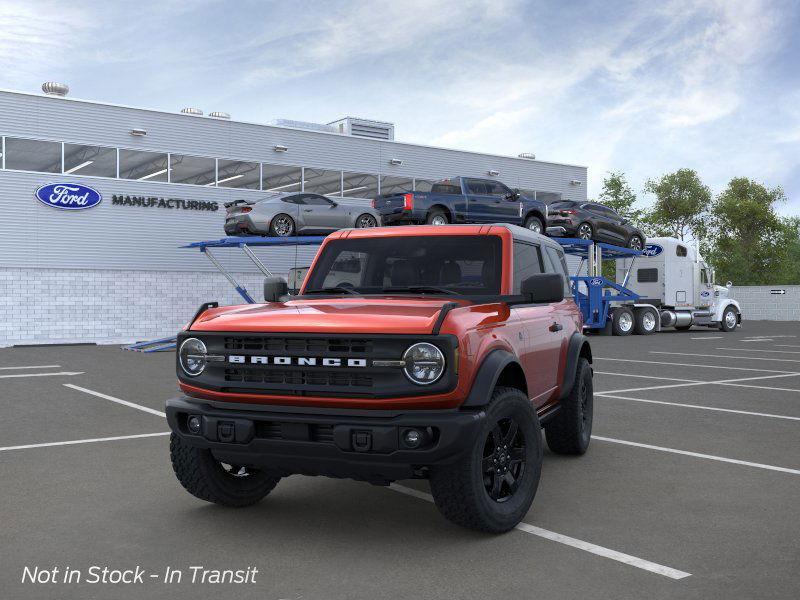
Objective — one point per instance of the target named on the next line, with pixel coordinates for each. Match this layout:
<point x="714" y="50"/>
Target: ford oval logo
<point x="68" y="196"/>
<point x="705" y="294"/>
<point x="596" y="281"/>
<point x="652" y="250"/>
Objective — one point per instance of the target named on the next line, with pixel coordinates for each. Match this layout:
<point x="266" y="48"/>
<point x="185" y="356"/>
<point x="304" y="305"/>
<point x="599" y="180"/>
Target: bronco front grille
<point x="298" y="377"/>
<point x="300" y="344"/>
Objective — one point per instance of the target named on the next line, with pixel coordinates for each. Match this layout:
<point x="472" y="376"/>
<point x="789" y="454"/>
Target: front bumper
<point x="366" y="444"/>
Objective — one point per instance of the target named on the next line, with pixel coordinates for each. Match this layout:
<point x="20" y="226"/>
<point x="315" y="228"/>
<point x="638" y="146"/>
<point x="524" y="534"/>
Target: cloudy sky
<point x="641" y="87"/>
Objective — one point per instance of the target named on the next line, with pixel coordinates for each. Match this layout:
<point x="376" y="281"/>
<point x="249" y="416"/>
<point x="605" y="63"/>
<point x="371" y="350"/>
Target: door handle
<point x="556" y="327"/>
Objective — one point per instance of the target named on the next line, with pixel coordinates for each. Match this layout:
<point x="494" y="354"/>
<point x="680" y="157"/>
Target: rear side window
<point x="293" y="200"/>
<point x="527" y="262"/>
<point x="647" y="275"/>
<point x="476" y="186"/>
<point x="681" y="250"/>
<point x="446" y="186"/>
<point x="559" y="265"/>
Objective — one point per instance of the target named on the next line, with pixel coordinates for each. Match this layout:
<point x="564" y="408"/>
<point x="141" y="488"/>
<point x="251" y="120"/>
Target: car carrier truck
<point x="671" y="277"/>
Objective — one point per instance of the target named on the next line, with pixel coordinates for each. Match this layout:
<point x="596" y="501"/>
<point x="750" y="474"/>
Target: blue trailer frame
<point x="595" y="303"/>
<point x="244" y="243"/>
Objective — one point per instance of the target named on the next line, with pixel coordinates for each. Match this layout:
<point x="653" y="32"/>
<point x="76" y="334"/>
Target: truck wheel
<point x="492" y="487"/>
<point x="622" y="321"/>
<point x="570" y="431"/>
<point x="437" y="217"/>
<point x="281" y="226"/>
<point x="729" y="320"/>
<point x="534" y="224"/>
<point x="208" y="479"/>
<point x="645" y="321"/>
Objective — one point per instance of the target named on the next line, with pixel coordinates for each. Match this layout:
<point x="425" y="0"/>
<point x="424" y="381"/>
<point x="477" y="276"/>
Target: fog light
<point x="412" y="438"/>
<point x="194" y="424"/>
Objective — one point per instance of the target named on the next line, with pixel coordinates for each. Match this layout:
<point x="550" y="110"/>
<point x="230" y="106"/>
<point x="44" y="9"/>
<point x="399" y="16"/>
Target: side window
<point x="704" y="276"/>
<point x="527" y="262"/>
<point x="681" y="251"/>
<point x="647" y="275"/>
<point x="559" y="264"/>
<point x="446" y="186"/>
<point x="293" y="200"/>
<point x="476" y="186"/>
<point x="495" y="188"/>
<point x="316" y="200"/>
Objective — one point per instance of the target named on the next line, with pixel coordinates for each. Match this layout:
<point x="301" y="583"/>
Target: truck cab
<point x="672" y="276"/>
<point x="435" y="352"/>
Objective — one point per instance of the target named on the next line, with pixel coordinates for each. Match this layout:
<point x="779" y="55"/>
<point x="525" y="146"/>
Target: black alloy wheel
<point x="365" y="221"/>
<point x="503" y="460"/>
<point x="635" y="243"/>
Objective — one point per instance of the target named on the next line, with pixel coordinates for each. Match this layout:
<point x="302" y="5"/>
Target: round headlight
<point x="424" y="363"/>
<point x="192" y="356"/>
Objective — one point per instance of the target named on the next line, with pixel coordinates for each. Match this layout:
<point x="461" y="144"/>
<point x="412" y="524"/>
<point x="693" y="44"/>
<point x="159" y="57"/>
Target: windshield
<point x="469" y="265"/>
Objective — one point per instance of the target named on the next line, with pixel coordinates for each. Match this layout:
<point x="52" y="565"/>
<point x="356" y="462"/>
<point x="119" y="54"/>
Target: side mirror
<point x="544" y="288"/>
<point x="274" y="288"/>
<point x="334" y="204"/>
<point x="729" y="285"/>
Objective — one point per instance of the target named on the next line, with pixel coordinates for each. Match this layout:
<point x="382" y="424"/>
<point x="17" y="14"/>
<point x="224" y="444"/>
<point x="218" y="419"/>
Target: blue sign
<point x="68" y="196"/>
<point x="652" y="250"/>
<point x="596" y="281"/>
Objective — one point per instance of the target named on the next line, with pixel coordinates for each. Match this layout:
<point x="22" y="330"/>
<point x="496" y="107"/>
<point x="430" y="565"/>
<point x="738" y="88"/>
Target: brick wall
<point x="758" y="303"/>
<point x="48" y="306"/>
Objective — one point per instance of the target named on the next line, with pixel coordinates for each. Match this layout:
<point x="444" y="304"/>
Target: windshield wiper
<point x="334" y="290"/>
<point x="420" y="289"/>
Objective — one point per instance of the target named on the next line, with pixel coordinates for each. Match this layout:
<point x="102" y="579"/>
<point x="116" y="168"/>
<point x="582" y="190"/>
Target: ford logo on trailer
<point x="652" y="250"/>
<point x="596" y="281"/>
<point x="68" y="196"/>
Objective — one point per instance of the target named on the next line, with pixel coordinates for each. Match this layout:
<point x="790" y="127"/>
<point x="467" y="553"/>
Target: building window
<point x="280" y="178"/>
<point x="194" y="170"/>
<point x="423" y="185"/>
<point x="396" y="185"/>
<point x="321" y="181"/>
<point x="96" y="161"/>
<point x="237" y="174"/>
<point x="144" y="166"/>
<point x="33" y="155"/>
<point x="359" y="185"/>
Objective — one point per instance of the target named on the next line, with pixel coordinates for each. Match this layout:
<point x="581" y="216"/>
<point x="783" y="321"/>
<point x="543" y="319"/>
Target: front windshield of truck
<point x="420" y="265"/>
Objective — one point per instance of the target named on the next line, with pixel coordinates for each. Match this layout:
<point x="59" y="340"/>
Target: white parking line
<point x="152" y="411"/>
<point x="701" y="407"/>
<point x="627" y="559"/>
<point x="646" y="376"/>
<point x="787" y="346"/>
<point x="708" y="337"/>
<point x="717" y="382"/>
<point x="655" y="362"/>
<point x="725" y="356"/>
<point x="86" y="441"/>
<point x="698" y="455"/>
<point x="758" y="350"/>
<point x="31" y="367"/>
<point x="18" y="375"/>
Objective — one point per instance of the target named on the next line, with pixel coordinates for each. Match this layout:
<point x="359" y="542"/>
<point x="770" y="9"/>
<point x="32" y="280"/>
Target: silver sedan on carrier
<point x="292" y="213"/>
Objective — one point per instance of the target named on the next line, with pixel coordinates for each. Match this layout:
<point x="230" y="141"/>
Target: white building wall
<point x="759" y="303"/>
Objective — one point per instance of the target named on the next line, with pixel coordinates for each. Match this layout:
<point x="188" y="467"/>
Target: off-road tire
<point x="723" y="325"/>
<point x="570" y="430"/>
<point x="437" y="212"/>
<point x="619" y="323"/>
<point x="273" y="232"/>
<point x="531" y="221"/>
<point x="204" y="477"/>
<point x="459" y="488"/>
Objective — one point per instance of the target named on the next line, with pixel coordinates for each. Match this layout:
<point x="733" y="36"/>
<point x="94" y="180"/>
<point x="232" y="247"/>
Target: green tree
<point x="618" y="195"/>
<point x="750" y="243"/>
<point x="681" y="205"/>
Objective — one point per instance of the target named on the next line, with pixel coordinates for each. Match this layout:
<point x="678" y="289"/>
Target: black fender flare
<point x="487" y="376"/>
<point x="578" y="346"/>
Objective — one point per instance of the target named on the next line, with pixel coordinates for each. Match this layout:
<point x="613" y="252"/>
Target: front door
<point x="319" y="213"/>
<point x="479" y="201"/>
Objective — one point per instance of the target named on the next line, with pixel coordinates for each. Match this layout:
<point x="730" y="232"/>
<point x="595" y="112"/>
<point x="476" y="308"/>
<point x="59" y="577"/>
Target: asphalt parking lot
<point x="689" y="489"/>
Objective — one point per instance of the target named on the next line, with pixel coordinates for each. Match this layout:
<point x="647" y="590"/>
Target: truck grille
<point x="336" y="346"/>
<point x="298" y="377"/>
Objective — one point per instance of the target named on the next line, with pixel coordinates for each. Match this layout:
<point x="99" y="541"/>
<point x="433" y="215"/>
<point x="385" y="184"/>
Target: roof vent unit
<point x="192" y="111"/>
<point x="376" y="130"/>
<point x="303" y="125"/>
<point x="527" y="155"/>
<point x="219" y="115"/>
<point x="51" y="88"/>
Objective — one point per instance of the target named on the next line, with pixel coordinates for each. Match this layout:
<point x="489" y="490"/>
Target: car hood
<point x="384" y="314"/>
